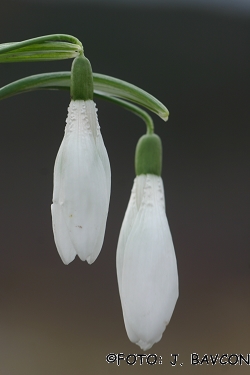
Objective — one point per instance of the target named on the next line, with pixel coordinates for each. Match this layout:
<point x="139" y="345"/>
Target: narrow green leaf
<point x="59" y="80"/>
<point x="103" y="85"/>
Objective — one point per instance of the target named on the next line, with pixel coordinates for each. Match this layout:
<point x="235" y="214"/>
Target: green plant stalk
<point x="48" y="47"/>
<point x="6" y="47"/>
<point x="42" y="56"/>
<point x="132" y="108"/>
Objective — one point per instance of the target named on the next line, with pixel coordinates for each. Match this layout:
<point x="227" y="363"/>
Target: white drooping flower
<point x="146" y="263"/>
<point x="82" y="182"/>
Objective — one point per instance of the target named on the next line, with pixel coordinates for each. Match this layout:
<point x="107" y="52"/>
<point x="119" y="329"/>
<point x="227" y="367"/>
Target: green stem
<point x="35" y="56"/>
<point x="7" y="47"/>
<point x="43" y="48"/>
<point x="132" y="108"/>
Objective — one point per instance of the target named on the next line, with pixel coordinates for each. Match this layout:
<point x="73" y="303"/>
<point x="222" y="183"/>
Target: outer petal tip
<point x="67" y="260"/>
<point x="144" y="345"/>
<point x="91" y="259"/>
<point x="64" y="245"/>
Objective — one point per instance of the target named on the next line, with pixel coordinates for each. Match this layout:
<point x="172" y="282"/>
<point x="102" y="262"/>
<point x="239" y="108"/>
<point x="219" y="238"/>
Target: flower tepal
<point x="82" y="182"/>
<point x="146" y="263"/>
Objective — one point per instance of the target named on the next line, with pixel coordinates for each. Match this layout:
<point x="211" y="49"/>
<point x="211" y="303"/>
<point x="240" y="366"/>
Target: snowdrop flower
<point x="81" y="186"/>
<point x="82" y="182"/>
<point x="146" y="264"/>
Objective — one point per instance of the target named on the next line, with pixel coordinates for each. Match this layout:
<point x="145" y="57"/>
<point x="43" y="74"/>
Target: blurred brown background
<point x="64" y="320"/>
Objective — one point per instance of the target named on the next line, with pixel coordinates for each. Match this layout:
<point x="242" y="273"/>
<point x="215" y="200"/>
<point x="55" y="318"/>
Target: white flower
<point x="82" y="182"/>
<point x="146" y="264"/>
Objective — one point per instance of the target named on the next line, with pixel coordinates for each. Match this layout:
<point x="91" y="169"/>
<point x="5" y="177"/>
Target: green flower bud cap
<point x="81" y="86"/>
<point x="148" y="155"/>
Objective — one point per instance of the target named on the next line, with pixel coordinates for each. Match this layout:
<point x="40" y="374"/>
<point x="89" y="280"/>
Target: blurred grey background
<point x="195" y="58"/>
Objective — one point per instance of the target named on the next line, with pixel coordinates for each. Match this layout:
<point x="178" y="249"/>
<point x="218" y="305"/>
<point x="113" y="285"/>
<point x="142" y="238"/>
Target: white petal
<point x="124" y="233"/>
<point x="63" y="242"/>
<point x="101" y="149"/>
<point x="80" y="186"/>
<point x="140" y="182"/>
<point x="149" y="275"/>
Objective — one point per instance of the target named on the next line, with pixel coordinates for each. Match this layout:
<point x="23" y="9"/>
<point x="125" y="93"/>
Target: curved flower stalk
<point x="82" y="182"/>
<point x="146" y="263"/>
